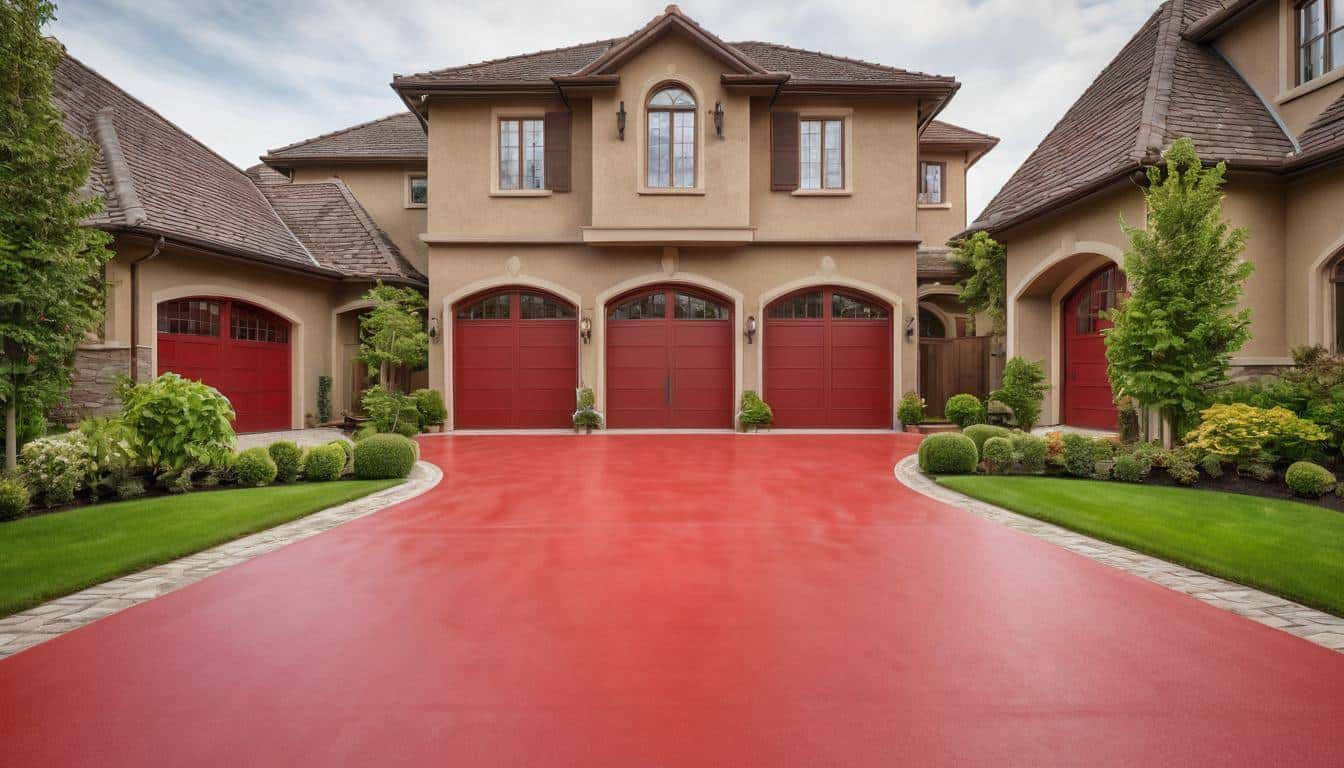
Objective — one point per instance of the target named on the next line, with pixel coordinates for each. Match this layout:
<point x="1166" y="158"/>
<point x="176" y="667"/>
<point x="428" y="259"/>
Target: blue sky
<point x="249" y="75"/>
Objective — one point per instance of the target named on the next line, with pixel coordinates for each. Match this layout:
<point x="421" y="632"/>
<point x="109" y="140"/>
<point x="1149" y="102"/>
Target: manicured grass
<point x="47" y="556"/>
<point x="1290" y="549"/>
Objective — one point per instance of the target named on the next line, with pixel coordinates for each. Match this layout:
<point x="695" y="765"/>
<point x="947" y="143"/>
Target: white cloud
<point x="245" y="77"/>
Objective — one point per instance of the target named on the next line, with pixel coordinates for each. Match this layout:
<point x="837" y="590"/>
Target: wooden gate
<point x="950" y="367"/>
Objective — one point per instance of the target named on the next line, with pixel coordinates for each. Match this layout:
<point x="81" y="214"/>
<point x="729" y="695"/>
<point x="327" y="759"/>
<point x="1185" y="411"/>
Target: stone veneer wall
<point x="96" y="370"/>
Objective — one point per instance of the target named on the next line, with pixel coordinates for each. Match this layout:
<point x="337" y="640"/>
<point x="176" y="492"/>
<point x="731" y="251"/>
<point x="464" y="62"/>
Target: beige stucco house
<point x="1258" y="85"/>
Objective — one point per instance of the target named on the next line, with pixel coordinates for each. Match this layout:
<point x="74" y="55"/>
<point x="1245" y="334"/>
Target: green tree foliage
<point x="1022" y="391"/>
<point x="50" y="265"/>
<point x="1175" y="334"/>
<point x="392" y="333"/>
<point x="986" y="290"/>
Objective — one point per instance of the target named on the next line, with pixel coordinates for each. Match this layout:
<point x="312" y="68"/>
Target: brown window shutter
<point x="557" y="151"/>
<point x="784" y="151"/>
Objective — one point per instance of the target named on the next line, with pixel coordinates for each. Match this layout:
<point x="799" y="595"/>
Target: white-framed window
<point x="671" y="139"/>
<point x="522" y="153"/>
<point x="417" y="190"/>
<point x="932" y="183"/>
<point x="821" y="153"/>
<point x="1320" y="38"/>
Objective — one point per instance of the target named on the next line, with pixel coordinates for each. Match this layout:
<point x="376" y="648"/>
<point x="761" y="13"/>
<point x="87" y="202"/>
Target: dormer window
<point x="671" y="155"/>
<point x="1320" y="38"/>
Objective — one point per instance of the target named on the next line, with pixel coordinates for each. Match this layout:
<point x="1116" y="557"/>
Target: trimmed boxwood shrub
<point x="1309" y="480"/>
<point x="949" y="453"/>
<point x="1081" y="454"/>
<point x="384" y="457"/>
<point x="348" y="448"/>
<point x="754" y="412"/>
<point x="998" y="453"/>
<point x="288" y="458"/>
<point x="979" y="433"/>
<point x="911" y="409"/>
<point x="323" y="463"/>
<point x="254" y="467"/>
<point x="1030" y="451"/>
<point x="430" y="405"/>
<point x="1131" y="468"/>
<point x="964" y="410"/>
<point x="13" y="497"/>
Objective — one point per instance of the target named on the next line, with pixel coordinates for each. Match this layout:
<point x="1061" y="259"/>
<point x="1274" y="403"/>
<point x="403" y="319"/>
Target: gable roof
<point x="1160" y="86"/>
<point x="670" y="19"/>
<point x="398" y="137"/>
<point x="946" y="136"/>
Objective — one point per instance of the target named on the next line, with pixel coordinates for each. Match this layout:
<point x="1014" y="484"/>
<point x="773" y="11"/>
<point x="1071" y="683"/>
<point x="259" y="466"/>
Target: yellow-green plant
<point x="1247" y="436"/>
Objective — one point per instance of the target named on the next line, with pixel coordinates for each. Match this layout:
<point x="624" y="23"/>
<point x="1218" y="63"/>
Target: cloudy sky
<point x="247" y="75"/>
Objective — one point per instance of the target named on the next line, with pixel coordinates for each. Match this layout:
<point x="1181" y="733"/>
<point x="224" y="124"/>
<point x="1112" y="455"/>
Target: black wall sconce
<point x="718" y="118"/>
<point x="433" y="330"/>
<point x="909" y="328"/>
<point x="751" y="329"/>
<point x="620" y="121"/>
<point x="586" y="330"/>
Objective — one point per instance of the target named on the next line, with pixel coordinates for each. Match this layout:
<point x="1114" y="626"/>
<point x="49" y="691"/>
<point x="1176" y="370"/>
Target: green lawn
<point x="1291" y="549"/>
<point x="47" y="556"/>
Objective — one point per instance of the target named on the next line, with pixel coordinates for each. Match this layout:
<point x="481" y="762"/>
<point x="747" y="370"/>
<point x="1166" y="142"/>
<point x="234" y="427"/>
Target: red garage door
<point x="1087" y="397"/>
<point x="828" y="360"/>
<point x="239" y="349"/>
<point x="670" y="360"/>
<point x="515" y="361"/>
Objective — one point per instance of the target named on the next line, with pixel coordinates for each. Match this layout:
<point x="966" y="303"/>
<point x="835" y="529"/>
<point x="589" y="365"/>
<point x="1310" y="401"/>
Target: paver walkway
<point x="697" y="600"/>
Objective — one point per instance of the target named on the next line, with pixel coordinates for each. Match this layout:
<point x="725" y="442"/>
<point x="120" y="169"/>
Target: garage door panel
<point x="699" y="357"/>
<point x="536" y="358"/>
<point x="717" y="380"/>
<point x="796" y="358"/>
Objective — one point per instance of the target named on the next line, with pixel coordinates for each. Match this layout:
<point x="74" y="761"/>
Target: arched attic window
<point x="671" y="138"/>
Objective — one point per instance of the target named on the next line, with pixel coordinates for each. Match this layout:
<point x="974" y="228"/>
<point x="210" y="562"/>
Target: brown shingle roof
<point x="392" y="137"/>
<point x="940" y="132"/>
<point x="540" y="66"/>
<point x="1326" y="132"/>
<point x="934" y="263"/>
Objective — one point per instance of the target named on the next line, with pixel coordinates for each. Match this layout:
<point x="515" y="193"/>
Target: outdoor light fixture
<point x="910" y="327"/>
<point x="434" y="329"/>
<point x="586" y="330"/>
<point x="751" y="328"/>
<point x="718" y="118"/>
<point x="620" y="121"/>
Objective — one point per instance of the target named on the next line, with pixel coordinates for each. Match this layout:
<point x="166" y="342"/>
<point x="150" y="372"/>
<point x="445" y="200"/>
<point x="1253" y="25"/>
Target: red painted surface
<point x="254" y="375"/>
<point x="1087" y="398"/>
<point x="670" y="373"/>
<point x="828" y="372"/>
<point x="692" y="600"/>
<point x="515" y="373"/>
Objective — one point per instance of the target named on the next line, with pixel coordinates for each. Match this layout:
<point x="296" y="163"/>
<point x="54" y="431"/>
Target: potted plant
<point x="432" y="410"/>
<point x="911" y="411"/>
<point x="586" y="416"/>
<point x="754" y="413"/>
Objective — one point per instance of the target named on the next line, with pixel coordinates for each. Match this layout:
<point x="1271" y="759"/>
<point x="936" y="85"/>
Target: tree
<point x="1023" y="390"/>
<point x="393" y="332"/>
<point x="986" y="290"/>
<point x="50" y="265"/>
<point x="1175" y="334"/>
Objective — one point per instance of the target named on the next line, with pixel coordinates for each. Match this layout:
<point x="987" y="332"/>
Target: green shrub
<point x="979" y="433"/>
<point x="586" y="399"/>
<point x="1245" y="435"/>
<point x="288" y="458"/>
<point x="948" y="453"/>
<point x="348" y="449"/>
<point x="1022" y="391"/>
<point x="998" y="455"/>
<point x="1180" y="465"/>
<point x="754" y="412"/>
<point x="110" y="446"/>
<point x="254" y="467"/>
<point x="1081" y="454"/>
<point x="964" y="410"/>
<point x="178" y="423"/>
<point x="323" y="399"/>
<point x="54" y="468"/>
<point x="323" y="463"/>
<point x="384" y="457"/>
<point x="586" y="416"/>
<point x="368" y="430"/>
<point x="429" y="403"/>
<point x="13" y="497"/>
<point x="1128" y="421"/>
<point x="1030" y="451"/>
<point x="1212" y="464"/>
<point x="32" y="424"/>
<point x="1310" y="480"/>
<point x="911" y="409"/>
<point x="132" y="488"/>
<point x="390" y="411"/>
<point x="1131" y="468"/>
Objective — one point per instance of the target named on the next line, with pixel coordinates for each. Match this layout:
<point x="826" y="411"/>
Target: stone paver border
<point x="1307" y="623"/>
<point x="37" y="625"/>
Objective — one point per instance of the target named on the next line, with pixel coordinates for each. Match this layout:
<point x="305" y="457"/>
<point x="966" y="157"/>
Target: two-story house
<point x="1258" y="85"/>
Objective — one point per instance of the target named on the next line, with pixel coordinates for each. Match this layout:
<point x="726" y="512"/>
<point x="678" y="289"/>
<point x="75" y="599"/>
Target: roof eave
<point x="1213" y="25"/>
<point x="282" y="161"/>
<point x="224" y="251"/>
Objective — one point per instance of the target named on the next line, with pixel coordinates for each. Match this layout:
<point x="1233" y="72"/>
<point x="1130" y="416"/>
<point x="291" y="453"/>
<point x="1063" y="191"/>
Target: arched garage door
<point x="1087" y="398"/>
<point x="241" y="350"/>
<point x="670" y="359"/>
<point x="828" y="360"/>
<point x="515" y="361"/>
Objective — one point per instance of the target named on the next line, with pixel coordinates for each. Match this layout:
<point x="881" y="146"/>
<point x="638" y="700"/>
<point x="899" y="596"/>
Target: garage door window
<point x="697" y="308"/>
<point x="804" y="306"/>
<point x="535" y="306"/>
<point x="490" y="308"/>
<point x="652" y="306"/>
<point x="189" y="318"/>
<point x="249" y="324"/>
<point x="851" y="308"/>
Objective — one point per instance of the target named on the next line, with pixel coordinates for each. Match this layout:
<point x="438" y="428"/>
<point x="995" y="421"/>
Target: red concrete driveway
<point x="637" y="601"/>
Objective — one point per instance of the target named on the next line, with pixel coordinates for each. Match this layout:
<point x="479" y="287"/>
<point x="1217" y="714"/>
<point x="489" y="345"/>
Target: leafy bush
<point x="998" y="455"/>
<point x="1128" y="421"/>
<point x="1212" y="464"/>
<point x="1131" y="468"/>
<point x="348" y="449"/>
<point x="384" y="457"/>
<point x="1245" y="435"/>
<point x="429" y="403"/>
<point x="323" y="463"/>
<point x="1309" y="480"/>
<point x="288" y="458"/>
<point x="1030" y="451"/>
<point x="324" y="399"/>
<point x="1313" y="389"/>
<point x="964" y="410"/>
<point x="178" y="423"/>
<point x="586" y="416"/>
<point x="132" y="488"/>
<point x="1054" y="449"/>
<point x="979" y="433"/>
<point x="54" y="468"/>
<point x="1022" y="391"/>
<point x="1180" y="465"/>
<point x="911" y="409"/>
<point x="948" y="453"/>
<point x="390" y="411"/>
<point x="254" y="467"/>
<point x="110" y="446"/>
<point x="13" y="497"/>
<point x="754" y="412"/>
<point x="1081" y="454"/>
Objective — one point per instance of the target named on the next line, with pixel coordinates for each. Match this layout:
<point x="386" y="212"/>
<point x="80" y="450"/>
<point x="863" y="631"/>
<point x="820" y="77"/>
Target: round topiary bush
<point x="998" y="455"/>
<point x="949" y="453"/>
<point x="1030" y="451"/>
<point x="979" y="433"/>
<point x="288" y="458"/>
<point x="254" y="467"/>
<point x="964" y="410"/>
<point x="1310" y="480"/>
<point x="323" y="463"/>
<point x="384" y="457"/>
<point x="1130" y="468"/>
<point x="348" y="448"/>
<point x="13" y="497"/>
<point x="911" y="409"/>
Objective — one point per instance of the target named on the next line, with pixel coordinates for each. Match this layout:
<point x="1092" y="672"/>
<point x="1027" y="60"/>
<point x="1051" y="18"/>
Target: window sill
<point x="693" y="191"/>
<point x="935" y="206"/>
<point x="1310" y="86"/>
<point x="521" y="192"/>
<point x="416" y="206"/>
<point x="822" y="193"/>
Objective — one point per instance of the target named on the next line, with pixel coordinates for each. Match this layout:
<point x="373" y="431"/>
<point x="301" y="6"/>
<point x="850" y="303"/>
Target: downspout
<point x="135" y="307"/>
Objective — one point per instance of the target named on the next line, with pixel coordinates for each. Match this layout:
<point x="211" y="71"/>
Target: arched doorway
<point x="240" y="349"/>
<point x="669" y="359"/>
<point x="1086" y="397"/>
<point x="515" y="360"/>
<point x="828" y="359"/>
